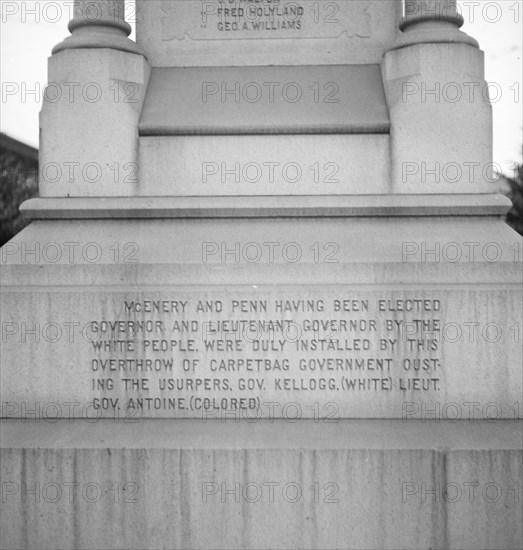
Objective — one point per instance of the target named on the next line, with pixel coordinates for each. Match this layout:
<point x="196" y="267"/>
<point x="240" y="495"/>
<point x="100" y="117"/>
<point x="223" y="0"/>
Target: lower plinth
<point x="270" y="484"/>
<point x="377" y="458"/>
<point x="152" y="309"/>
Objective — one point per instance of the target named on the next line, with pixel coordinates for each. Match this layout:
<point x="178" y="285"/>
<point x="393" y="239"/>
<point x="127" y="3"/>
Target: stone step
<point x="315" y="164"/>
<point x="345" y="99"/>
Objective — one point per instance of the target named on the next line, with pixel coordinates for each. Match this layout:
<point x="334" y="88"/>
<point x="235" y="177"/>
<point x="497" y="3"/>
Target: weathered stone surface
<point x="188" y="33"/>
<point x="299" y="206"/>
<point x="441" y="119"/>
<point x="89" y="123"/>
<point x="253" y="100"/>
<point x="358" y="323"/>
<point x="392" y="420"/>
<point x="99" y="25"/>
<point x="334" y="164"/>
<point x="355" y="484"/>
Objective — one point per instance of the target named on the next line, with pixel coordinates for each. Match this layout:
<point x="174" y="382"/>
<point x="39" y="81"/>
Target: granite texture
<point x="298" y="164"/>
<point x="467" y="351"/>
<point x="252" y="100"/>
<point x="352" y="485"/>
<point x="193" y="34"/>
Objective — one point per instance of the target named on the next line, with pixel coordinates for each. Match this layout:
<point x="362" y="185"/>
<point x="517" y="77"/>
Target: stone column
<point x="99" y="24"/>
<point x="91" y="109"/>
<point x="433" y="21"/>
<point x="441" y="119"/>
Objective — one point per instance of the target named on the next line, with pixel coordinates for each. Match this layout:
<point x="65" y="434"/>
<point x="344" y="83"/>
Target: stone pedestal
<point x="350" y="484"/>
<point x="267" y="298"/>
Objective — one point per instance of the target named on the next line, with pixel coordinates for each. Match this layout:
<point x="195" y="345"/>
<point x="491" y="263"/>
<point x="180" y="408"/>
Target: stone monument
<point x="267" y="298"/>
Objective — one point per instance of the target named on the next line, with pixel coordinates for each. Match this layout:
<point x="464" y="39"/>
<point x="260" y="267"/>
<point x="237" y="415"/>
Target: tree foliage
<point x="515" y="214"/>
<point x="18" y="182"/>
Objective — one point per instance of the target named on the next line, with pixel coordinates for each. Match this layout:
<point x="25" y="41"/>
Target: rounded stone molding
<point x="99" y="24"/>
<point x="432" y="21"/>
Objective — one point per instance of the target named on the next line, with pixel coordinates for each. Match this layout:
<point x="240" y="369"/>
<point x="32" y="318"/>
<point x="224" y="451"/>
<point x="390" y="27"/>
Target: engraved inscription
<point x="199" y="353"/>
<point x="264" y="19"/>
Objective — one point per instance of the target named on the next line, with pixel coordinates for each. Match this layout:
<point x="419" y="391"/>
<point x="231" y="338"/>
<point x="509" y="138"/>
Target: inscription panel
<point x="255" y="352"/>
<point x="264" y="20"/>
<point x="251" y="32"/>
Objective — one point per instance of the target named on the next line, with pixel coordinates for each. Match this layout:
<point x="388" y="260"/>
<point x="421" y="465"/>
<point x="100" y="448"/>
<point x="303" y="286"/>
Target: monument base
<point x="270" y="484"/>
<point x="386" y="480"/>
<point x="366" y="307"/>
